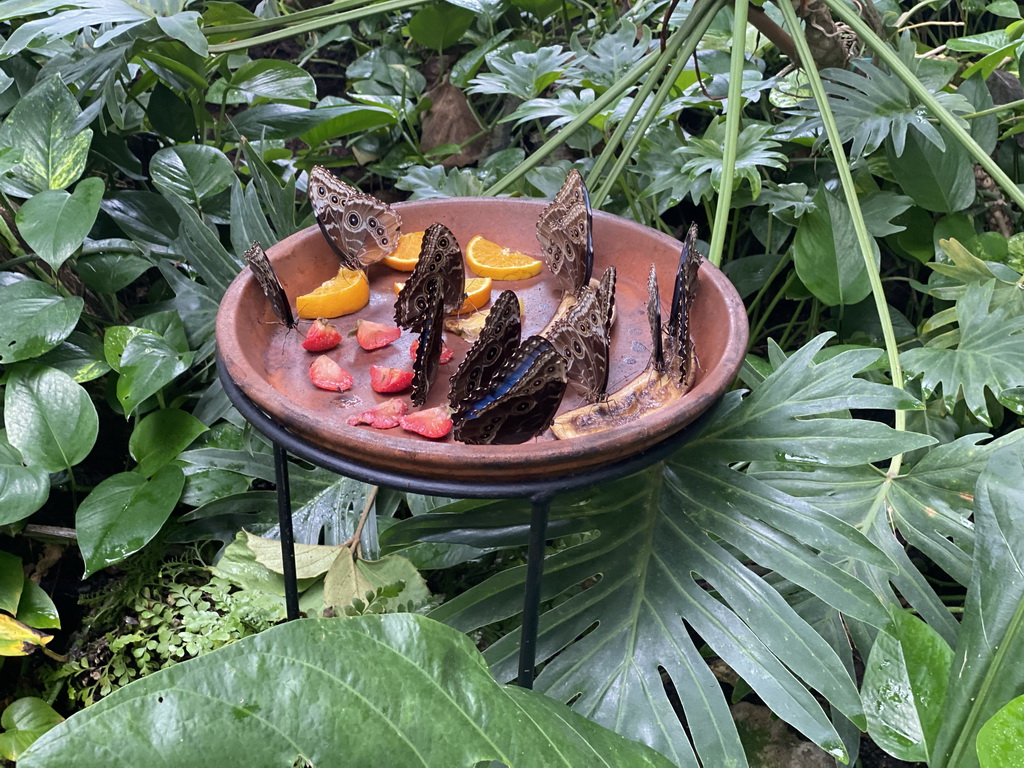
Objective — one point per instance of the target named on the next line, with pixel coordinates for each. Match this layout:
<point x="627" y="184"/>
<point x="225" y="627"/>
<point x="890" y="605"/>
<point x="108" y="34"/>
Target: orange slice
<point x="343" y="294"/>
<point x="491" y="260"/>
<point x="405" y="256"/>
<point x="478" y="293"/>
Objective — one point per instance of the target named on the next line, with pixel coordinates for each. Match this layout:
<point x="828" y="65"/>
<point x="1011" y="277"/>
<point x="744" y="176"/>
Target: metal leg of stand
<point x="531" y="601"/>
<point x="284" y="513"/>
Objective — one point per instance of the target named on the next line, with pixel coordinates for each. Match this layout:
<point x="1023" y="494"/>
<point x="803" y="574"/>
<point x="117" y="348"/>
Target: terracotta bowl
<point x="269" y="365"/>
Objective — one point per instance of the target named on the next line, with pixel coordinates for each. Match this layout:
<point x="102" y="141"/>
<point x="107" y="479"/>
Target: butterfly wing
<point x="679" y="344"/>
<point x="428" y="353"/>
<point x="522" y="400"/>
<point x="261" y="267"/>
<point x="439" y="267"/>
<point x="564" y="230"/>
<point x="497" y="343"/>
<point x="654" y="319"/>
<point x="583" y="338"/>
<point x="360" y="228"/>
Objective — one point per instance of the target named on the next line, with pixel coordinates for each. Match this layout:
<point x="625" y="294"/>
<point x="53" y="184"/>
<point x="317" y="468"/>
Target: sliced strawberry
<point x="384" y="379"/>
<point x="321" y="336"/>
<point x="327" y="374"/>
<point x="446" y="354"/>
<point x="371" y="335"/>
<point x="433" y="422"/>
<point x="382" y="416"/>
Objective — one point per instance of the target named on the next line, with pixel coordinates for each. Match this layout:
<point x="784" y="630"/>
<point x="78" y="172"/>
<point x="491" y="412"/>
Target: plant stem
<point x="850" y="191"/>
<point x="732" y="130"/>
<point x="946" y="118"/>
<point x="995" y="109"/>
<point x="360" y="11"/>
<point x="602" y="102"/>
<point x="681" y="46"/>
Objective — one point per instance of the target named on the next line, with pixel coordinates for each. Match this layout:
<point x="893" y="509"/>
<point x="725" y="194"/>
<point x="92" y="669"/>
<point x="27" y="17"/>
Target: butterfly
<point x="519" y="402"/>
<point x="564" y="230"/>
<point x="582" y="336"/>
<point x="428" y="353"/>
<point x="439" y="264"/>
<point x="497" y="342"/>
<point x="360" y="228"/>
<point x="261" y="267"/>
<point x="435" y="288"/>
<point x="673" y="350"/>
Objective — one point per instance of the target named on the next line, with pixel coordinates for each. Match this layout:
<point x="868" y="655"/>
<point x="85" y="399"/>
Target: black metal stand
<point x="539" y="491"/>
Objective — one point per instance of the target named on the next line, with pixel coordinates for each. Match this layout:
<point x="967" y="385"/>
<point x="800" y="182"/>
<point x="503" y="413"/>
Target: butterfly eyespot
<point x="321" y="190"/>
<point x="373" y="224"/>
<point x="380" y="233"/>
<point x="442" y="242"/>
<point x="334" y="199"/>
<point x="353" y="220"/>
<point x="523" y="407"/>
<point x="383" y="241"/>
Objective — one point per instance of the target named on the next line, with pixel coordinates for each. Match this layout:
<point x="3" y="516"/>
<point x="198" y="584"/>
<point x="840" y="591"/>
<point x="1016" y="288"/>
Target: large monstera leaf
<point x="670" y="550"/>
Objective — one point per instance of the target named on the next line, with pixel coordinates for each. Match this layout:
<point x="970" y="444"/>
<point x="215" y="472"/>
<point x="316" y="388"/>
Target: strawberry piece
<point x="433" y="422"/>
<point x="321" y="336"/>
<point x="383" y="415"/>
<point x="371" y="335"/>
<point x="446" y="354"/>
<point x="327" y="374"/>
<point x="384" y="379"/>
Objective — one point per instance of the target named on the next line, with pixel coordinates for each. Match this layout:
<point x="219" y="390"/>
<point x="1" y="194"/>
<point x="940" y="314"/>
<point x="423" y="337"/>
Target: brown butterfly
<point x="439" y="266"/>
<point x="677" y="356"/>
<point x="583" y="338"/>
<point x="564" y="231"/>
<point x="360" y="228"/>
<point x="261" y="267"/>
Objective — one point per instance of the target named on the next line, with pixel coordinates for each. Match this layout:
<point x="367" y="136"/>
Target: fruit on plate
<point x="371" y="335"/>
<point x="446" y="354"/>
<point x="433" y="422"/>
<point x="489" y="259"/>
<point x="384" y="379"/>
<point x="383" y="415"/>
<point x="321" y="336"/>
<point x="327" y="374"/>
<point x="343" y="294"/>
<point x="405" y="256"/>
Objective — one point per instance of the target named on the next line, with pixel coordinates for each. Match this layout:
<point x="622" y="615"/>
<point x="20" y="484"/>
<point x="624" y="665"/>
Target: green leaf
<point x="37" y="319"/>
<point x="54" y="152"/>
<point x="990" y="353"/>
<point x="12" y="581"/>
<point x="123" y="513"/>
<point x="520" y="73"/>
<point x="753" y="151"/>
<point x="193" y="172"/>
<point x="440" y="25"/>
<point x="269" y="78"/>
<point x="49" y="418"/>
<point x="826" y="255"/>
<point x="24" y="721"/>
<point x="170" y="115"/>
<point x="200" y="245"/>
<point x="148" y="363"/>
<point x="161" y="436"/>
<point x="986" y="672"/>
<point x="350" y="578"/>
<point x="1001" y="739"/>
<point x="904" y="687"/>
<point x="184" y="26"/>
<point x="939" y="179"/>
<point x="36" y="609"/>
<point x="110" y="272"/>
<point x="250" y="697"/>
<point x="668" y="538"/>
<point x="23" y="489"/>
<point x="55" y="223"/>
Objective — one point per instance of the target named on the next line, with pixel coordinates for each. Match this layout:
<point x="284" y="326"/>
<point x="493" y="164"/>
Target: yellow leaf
<point x="18" y="640"/>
